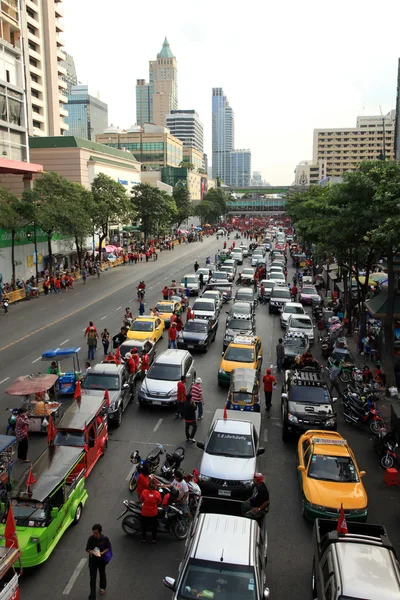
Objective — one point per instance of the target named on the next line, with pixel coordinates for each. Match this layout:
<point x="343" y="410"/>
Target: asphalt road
<point x="137" y="570"/>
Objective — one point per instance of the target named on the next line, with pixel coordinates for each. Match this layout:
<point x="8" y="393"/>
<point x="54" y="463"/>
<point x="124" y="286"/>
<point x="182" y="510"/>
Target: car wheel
<point x="119" y="417"/>
<point x="78" y="514"/>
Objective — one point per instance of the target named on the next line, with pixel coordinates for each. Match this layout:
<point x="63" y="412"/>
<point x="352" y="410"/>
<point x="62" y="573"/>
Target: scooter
<point x="170" y="520"/>
<point x="172" y="462"/>
<point x="363" y="412"/>
<point x="194" y="488"/>
<point x="152" y="460"/>
<point x="385" y="445"/>
<point x="12" y="419"/>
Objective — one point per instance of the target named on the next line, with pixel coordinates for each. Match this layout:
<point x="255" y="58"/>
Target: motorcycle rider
<point x="151" y="499"/>
<point x="258" y="504"/>
<point x="180" y="484"/>
<point x="334" y="377"/>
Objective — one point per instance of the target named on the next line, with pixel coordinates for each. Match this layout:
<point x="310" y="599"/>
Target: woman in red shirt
<point x="143" y="480"/>
<point x="151" y="499"/>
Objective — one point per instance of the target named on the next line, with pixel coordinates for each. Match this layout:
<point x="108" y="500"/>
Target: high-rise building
<point x="240" y="168"/>
<point x="143" y="102"/>
<point x="87" y="115"/>
<point x="186" y="126"/>
<point x="44" y="58"/>
<point x="223" y="135"/>
<point x="306" y="173"/>
<point x="70" y="77"/>
<point x="163" y="81"/>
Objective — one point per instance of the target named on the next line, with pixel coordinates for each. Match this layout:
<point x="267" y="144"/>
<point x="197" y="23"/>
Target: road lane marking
<point x="102" y="318"/>
<point x="119" y="308"/>
<point x="150" y="288"/>
<point x="3" y="380"/>
<point x="157" y="425"/>
<point x="64" y="342"/>
<point x="36" y="359"/>
<point x="158" y="282"/>
<point x="75" y="576"/>
<point x="19" y="318"/>
<point x="44" y="308"/>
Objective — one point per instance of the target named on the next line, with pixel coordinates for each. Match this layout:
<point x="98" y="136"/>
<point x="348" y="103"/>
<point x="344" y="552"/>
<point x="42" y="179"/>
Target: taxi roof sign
<point x="329" y="441"/>
<point x="248" y="340"/>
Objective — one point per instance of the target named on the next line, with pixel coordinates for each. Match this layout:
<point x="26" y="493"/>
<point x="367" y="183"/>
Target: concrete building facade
<point x="70" y="76"/>
<point x="240" y="168"/>
<point x="306" y="173"/>
<point x="163" y="81"/>
<point x="87" y="115"/>
<point x="194" y="156"/>
<point x="143" y="102"/>
<point x="223" y="135"/>
<point x="186" y="126"/>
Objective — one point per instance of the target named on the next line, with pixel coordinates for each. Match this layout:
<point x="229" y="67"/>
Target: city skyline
<point x="280" y="91"/>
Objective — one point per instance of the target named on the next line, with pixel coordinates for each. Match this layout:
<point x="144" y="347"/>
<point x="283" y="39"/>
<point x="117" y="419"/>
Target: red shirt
<point x="131" y="365"/>
<point x="172" y="333"/>
<point x="181" y="391"/>
<point x="151" y="499"/>
<point x="145" y="362"/>
<point x="268" y="381"/>
<point x="190" y="314"/>
<point x="142" y="484"/>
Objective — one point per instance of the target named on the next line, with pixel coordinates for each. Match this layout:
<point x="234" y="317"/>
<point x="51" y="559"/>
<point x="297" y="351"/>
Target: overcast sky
<point x="286" y="67"/>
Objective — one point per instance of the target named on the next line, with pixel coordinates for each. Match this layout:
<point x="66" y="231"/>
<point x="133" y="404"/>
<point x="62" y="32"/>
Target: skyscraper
<point x="223" y="135"/>
<point x="163" y="78"/>
<point x="240" y="168"/>
<point x="70" y="77"/>
<point x="143" y="102"/>
<point x="87" y="115"/>
<point x="186" y="126"/>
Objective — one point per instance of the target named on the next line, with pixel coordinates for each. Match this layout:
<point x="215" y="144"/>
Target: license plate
<point x="190" y="345"/>
<point x="224" y="492"/>
<point x="157" y="402"/>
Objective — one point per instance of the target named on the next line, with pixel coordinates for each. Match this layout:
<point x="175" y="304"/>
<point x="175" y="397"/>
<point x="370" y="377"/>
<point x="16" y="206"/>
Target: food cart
<point x="35" y="391"/>
<point x="7" y="446"/>
<point x="66" y="381"/>
<point x="244" y="390"/>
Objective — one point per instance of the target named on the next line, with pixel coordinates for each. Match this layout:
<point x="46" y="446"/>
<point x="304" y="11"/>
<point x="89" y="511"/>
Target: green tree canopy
<point x="155" y="208"/>
<point x="184" y="207"/>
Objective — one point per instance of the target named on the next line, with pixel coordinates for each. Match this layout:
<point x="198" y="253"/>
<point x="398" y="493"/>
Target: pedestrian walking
<point x="334" y="378"/>
<point x="21" y="433"/>
<point x="269" y="381"/>
<point x="98" y="270"/>
<point x="141" y="307"/>
<point x="197" y="397"/>
<point x="189" y="314"/>
<point x="181" y="396"/>
<point x="100" y="552"/>
<point x="151" y="499"/>
<point x="105" y="340"/>
<point x="57" y="285"/>
<point x="280" y="355"/>
<point x="91" y="339"/>
<point x="5" y="304"/>
<point x="84" y="275"/>
<point x="201" y="281"/>
<point x="172" y="336"/>
<point x="189" y="414"/>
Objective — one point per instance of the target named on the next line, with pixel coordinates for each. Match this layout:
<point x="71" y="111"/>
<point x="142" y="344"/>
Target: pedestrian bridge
<point x="257" y="205"/>
<point x="278" y="189"/>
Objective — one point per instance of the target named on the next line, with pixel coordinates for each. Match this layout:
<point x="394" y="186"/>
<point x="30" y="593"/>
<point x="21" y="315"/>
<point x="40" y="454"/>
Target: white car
<point x="278" y="278"/>
<point x="273" y="270"/>
<point x="301" y="324"/>
<point x="245" y="250"/>
<point x="247" y="274"/>
<point x="237" y="254"/>
<point x="191" y="282"/>
<point x="214" y="295"/>
<point x="256" y="257"/>
<point x="205" y="271"/>
<point x="291" y="308"/>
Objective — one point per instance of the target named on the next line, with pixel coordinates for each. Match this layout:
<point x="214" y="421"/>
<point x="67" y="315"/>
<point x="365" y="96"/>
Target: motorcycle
<point x="172" y="462"/>
<point x="141" y="294"/>
<point x="326" y="346"/>
<point x="385" y="445"/>
<point x="192" y="483"/>
<point x="152" y="460"/>
<point x="362" y="411"/>
<point x="171" y="520"/>
<point x="12" y="419"/>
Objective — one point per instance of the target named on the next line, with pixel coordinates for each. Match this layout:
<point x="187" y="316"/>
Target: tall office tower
<point x="70" y="77"/>
<point x="87" y="115"/>
<point x="44" y="58"/>
<point x="223" y="135"/>
<point x="163" y="78"/>
<point x="240" y="168"/>
<point x="143" y="102"/>
<point x="186" y="126"/>
<point x="13" y="127"/>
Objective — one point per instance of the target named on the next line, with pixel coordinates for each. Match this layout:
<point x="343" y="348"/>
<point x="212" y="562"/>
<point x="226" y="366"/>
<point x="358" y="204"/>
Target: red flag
<point x="31" y="478"/>
<point x="51" y="431"/>
<point x="107" y="397"/>
<point x="10" y="532"/>
<point x="225" y="412"/>
<point x="77" y="393"/>
<point x="342" y="525"/>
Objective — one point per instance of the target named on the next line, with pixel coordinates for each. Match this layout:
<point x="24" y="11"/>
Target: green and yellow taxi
<point x="245" y="351"/>
<point x="45" y="508"/>
<point x="146" y="328"/>
<point x="329" y="477"/>
<point x="167" y="308"/>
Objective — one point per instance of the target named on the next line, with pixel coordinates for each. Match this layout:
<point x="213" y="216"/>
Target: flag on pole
<point x="10" y="531"/>
<point x="51" y="431"/>
<point x="225" y="412"/>
<point x="107" y="397"/>
<point x="31" y="478"/>
<point x="77" y="392"/>
<point x="342" y="524"/>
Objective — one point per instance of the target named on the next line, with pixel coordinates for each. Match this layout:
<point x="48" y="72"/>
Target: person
<point x="135" y="357"/>
<point x="379" y="375"/>
<point x="151" y="499"/>
<point x="21" y="433"/>
<point x="179" y="324"/>
<point x="84" y="276"/>
<point x="141" y="307"/>
<point x="334" y="377"/>
<point x="280" y="355"/>
<point x="181" y="396"/>
<point x="258" y="504"/>
<point x="293" y="291"/>
<point x="172" y="336"/>
<point x="189" y="414"/>
<point x="5" y="304"/>
<point x="208" y="260"/>
<point x="119" y="338"/>
<point x="98" y="270"/>
<point x="54" y="368"/>
<point x="197" y="397"/>
<point x="269" y="381"/>
<point x="88" y="328"/>
<point x="165" y="292"/>
<point x="87" y="368"/>
<point x="180" y="484"/>
<point x="366" y="374"/>
<point x="307" y="359"/>
<point x="130" y="363"/>
<point x="201" y="281"/>
<point x="92" y="342"/>
<point x="105" y="340"/>
<point x="97" y="546"/>
<point x="196" y="266"/>
<point x="145" y="363"/>
<point x="143" y="480"/>
<point x="155" y="312"/>
<point x="189" y="314"/>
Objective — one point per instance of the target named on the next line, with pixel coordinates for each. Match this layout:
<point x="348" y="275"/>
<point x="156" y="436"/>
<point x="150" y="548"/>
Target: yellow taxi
<point x="166" y="308"/>
<point x="146" y="328"/>
<point x="329" y="476"/>
<point x="243" y="351"/>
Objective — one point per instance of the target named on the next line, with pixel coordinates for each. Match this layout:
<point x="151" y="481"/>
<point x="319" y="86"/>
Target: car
<point x="205" y="271"/>
<point x="301" y="324"/>
<point x="256" y="257"/>
<point x="268" y="287"/>
<point x="213" y="295"/>
<point x="205" y="308"/>
<point x="245" y="294"/>
<point x="294" y="345"/>
<point x="306" y="403"/>
<point x="119" y="383"/>
<point x="245" y="250"/>
<point x="142" y="347"/>
<point x="146" y="328"/>
<point x="308" y="294"/>
<point x="197" y="334"/>
<point x="230" y="262"/>
<point x="291" y="308"/>
<point x="166" y="308"/>
<point x="247" y="275"/>
<point x="330" y="477"/>
<point x="277" y="263"/>
<point x="238" y="326"/>
<point x="159" y="387"/>
<point x="219" y="276"/>
<point x="278" y="278"/>
<point x="192" y="283"/>
<point x="279" y="297"/>
<point x="243" y="351"/>
<point x="274" y="270"/>
<point x="237" y="255"/>
<point x="231" y="449"/>
<point x="275" y="255"/>
<point x="241" y="310"/>
<point x="229" y="270"/>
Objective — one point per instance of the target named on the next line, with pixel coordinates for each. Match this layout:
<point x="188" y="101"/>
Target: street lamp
<point x="28" y="235"/>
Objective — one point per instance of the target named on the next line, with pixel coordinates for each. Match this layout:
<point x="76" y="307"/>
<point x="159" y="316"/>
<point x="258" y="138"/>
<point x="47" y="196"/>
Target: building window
<point x="37" y="124"/>
<point x="33" y="62"/>
<point x="36" y="109"/>
<point x="35" y="93"/>
<point x="31" y="30"/>
<point x="32" y="46"/>
<point x="34" y="78"/>
<point x="8" y="79"/>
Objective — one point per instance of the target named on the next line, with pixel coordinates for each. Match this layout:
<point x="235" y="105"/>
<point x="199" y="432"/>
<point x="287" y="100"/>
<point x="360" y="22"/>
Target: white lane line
<point x="44" y="308"/>
<point x="158" y="282"/>
<point x="3" y="380"/>
<point x="165" y="278"/>
<point x="74" y="576"/>
<point x="102" y="318"/>
<point x="131" y="300"/>
<point x="36" y="359"/>
<point x="119" y="308"/>
<point x="64" y="342"/>
<point x="150" y="288"/>
<point x="157" y="424"/>
<point x="19" y="318"/>
<point x="265" y="436"/>
<point x="128" y="477"/>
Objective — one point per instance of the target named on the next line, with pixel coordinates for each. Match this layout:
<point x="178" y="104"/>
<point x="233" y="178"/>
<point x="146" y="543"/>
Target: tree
<point x="213" y="206"/>
<point x="13" y="216"/>
<point x="202" y="171"/>
<point x="77" y="221"/>
<point x="110" y="204"/>
<point x="184" y="207"/>
<point x="155" y="208"/>
<point x="185" y="164"/>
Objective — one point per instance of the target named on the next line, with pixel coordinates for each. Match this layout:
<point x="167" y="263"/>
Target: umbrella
<point x="31" y="384"/>
<point x="110" y="248"/>
<point x="371" y="281"/>
<point x="199" y="228"/>
<point x="378" y="277"/>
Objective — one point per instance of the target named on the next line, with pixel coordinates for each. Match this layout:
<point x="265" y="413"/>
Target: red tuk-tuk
<point x="9" y="580"/>
<point x="85" y="425"/>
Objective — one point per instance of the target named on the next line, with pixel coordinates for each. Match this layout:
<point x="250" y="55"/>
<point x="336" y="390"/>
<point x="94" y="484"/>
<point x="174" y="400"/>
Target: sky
<point x="287" y="67"/>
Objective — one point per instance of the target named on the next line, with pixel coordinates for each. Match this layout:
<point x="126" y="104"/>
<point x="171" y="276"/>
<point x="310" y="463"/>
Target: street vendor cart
<point x="9" y="578"/>
<point x="7" y="448"/>
<point x="66" y="380"/>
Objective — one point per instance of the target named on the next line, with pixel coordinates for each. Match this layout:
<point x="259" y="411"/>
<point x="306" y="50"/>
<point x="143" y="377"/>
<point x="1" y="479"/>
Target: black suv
<point x="306" y="403"/>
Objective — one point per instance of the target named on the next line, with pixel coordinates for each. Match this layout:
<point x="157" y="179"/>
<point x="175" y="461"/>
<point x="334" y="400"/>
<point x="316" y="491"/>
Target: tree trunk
<point x="388" y="333"/>
<point x="50" y="251"/>
<point x="78" y="251"/>
<point x="347" y="303"/>
<point x="13" y="258"/>
<point x="101" y="238"/>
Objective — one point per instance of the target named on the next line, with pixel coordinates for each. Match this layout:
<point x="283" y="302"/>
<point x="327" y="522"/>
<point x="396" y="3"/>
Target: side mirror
<point x="222" y="353"/>
<point x="301" y="468"/>
<point x="260" y="451"/>
<point x="266" y="593"/>
<point x="362" y="473"/>
<point x="169" y="582"/>
<point x="334" y="399"/>
<point x="200" y="445"/>
<point x="125" y="386"/>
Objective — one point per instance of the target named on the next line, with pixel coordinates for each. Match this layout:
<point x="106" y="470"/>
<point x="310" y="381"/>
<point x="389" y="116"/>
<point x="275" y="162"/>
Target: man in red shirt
<point x="189" y="314"/>
<point x="181" y="396"/>
<point x="172" y="336"/>
<point x="269" y="381"/>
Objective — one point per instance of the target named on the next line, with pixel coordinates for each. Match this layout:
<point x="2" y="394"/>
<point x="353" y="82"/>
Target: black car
<point x="246" y="295"/>
<point x="279" y="297"/>
<point x="197" y="334"/>
<point x="306" y="403"/>
<point x="240" y="310"/>
<point x="237" y="326"/>
<point x="294" y="345"/>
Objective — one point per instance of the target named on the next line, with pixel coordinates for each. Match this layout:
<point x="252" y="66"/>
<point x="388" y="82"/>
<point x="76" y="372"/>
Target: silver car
<point x="301" y="324"/>
<point x="160" y="384"/>
<point x="191" y="282"/>
<point x="291" y="308"/>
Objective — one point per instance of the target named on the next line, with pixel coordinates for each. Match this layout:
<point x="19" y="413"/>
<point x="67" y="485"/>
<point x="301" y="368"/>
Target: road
<point x="137" y="570"/>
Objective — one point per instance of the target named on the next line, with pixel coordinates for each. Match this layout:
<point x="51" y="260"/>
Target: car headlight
<point x="204" y="477"/>
<point x="292" y="418"/>
<point x="316" y="506"/>
<point x="330" y="422"/>
<point x="144" y="389"/>
<point x="172" y="394"/>
<point x="112" y="405"/>
<point x="248" y="482"/>
<point x="221" y="371"/>
<point x="358" y="511"/>
<point x="201" y="342"/>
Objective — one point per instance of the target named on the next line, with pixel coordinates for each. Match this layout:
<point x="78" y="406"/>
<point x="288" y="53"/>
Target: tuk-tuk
<point x="244" y="390"/>
<point x="7" y="446"/>
<point x="299" y="257"/>
<point x="294" y="344"/>
<point x="67" y="380"/>
<point x="47" y="499"/>
<point x="9" y="578"/>
<point x="223" y="256"/>
<point x="35" y="391"/>
<point x="341" y="352"/>
<point x="85" y="425"/>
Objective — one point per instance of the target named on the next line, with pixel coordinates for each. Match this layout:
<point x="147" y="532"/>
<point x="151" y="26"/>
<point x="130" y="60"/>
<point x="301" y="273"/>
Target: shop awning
<point x="16" y="167"/>
<point x="378" y="305"/>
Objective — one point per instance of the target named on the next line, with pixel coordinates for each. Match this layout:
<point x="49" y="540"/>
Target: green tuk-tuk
<point x="244" y="390"/>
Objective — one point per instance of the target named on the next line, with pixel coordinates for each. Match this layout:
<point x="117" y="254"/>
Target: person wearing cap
<point x="269" y="381"/>
<point x="135" y="358"/>
<point x="258" y="505"/>
<point x="130" y="363"/>
<point x="172" y="336"/>
<point x="197" y="397"/>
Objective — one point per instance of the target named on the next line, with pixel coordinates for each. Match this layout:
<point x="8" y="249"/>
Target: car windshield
<point x="208" y="306"/>
<point x="300" y="323"/>
<point x="165" y="308"/>
<point x="190" y="279"/>
<point x="219" y="275"/>
<point x="227" y="268"/>
<point x="245" y="294"/>
<point x="198" y="327"/>
<point x="240" y="354"/>
<point x="70" y="438"/>
<point x="218" y="580"/>
<point x="240" y="324"/>
<point x="281" y="293"/>
<point x="332" y="468"/>
<point x="163" y="371"/>
<point x="204" y="271"/>
<point x="142" y="326"/>
<point x="277" y="276"/>
<point x="248" y="272"/>
<point x="28" y="510"/>
<point x="238" y="309"/>
<point x="100" y="381"/>
<point x="236" y="445"/>
<point x="294" y="310"/>
<point x="308" y="290"/>
<point x="308" y="394"/>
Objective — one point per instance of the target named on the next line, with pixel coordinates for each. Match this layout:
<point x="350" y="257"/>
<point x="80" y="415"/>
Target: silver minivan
<point x="159" y="387"/>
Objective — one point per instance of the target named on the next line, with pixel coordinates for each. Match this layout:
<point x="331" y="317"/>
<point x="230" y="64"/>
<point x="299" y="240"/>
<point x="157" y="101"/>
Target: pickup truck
<point x="359" y="564"/>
